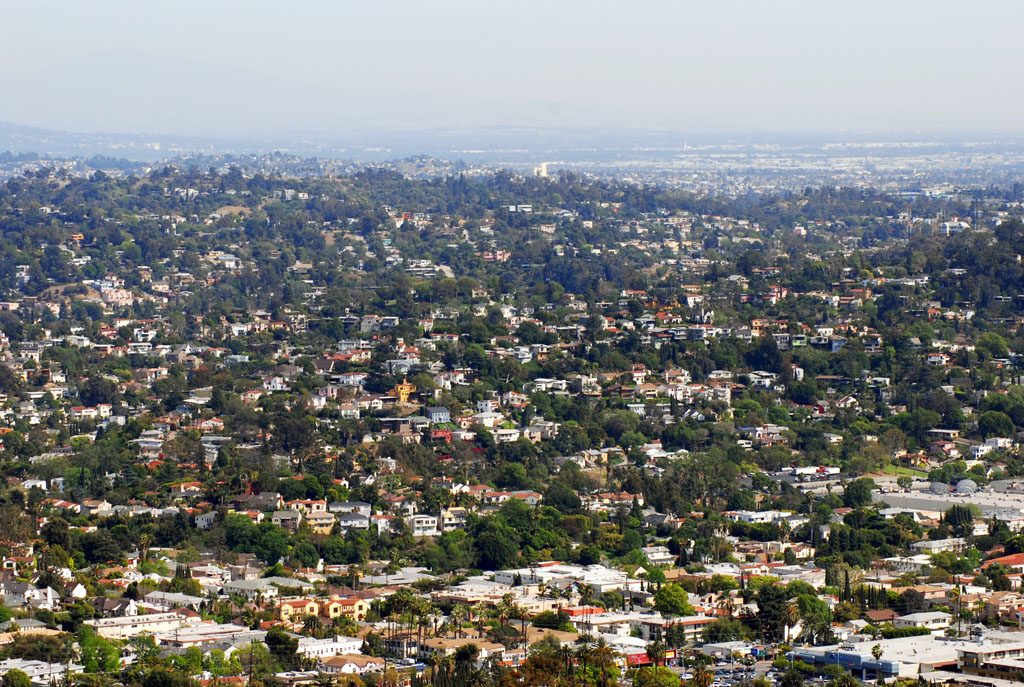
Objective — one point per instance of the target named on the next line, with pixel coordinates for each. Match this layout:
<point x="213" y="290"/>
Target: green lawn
<point x="901" y="471"/>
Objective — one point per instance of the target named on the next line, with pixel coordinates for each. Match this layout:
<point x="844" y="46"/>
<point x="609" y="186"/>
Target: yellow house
<point x="320" y="523"/>
<point x="403" y="391"/>
<point x="353" y="608"/>
<point x="295" y="610"/>
<point x="332" y="608"/>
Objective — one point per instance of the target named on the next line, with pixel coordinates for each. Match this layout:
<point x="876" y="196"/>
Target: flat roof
<point x="926" y="649"/>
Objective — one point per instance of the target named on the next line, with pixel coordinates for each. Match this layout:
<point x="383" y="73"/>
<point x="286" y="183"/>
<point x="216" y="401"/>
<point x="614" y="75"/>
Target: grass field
<point x="900" y="471"/>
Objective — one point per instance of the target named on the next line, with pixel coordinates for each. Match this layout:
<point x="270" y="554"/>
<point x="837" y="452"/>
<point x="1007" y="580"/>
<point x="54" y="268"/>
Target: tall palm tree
<point x="584" y="651"/>
<point x="504" y="609"/>
<point x="656" y="652"/>
<point x="568" y="657"/>
<point x="434" y="661"/>
<point x="702" y="677"/>
<point x="603" y="657"/>
<point x="460" y="612"/>
<point x="477" y="616"/>
<point x="790" y="616"/>
<point x="313" y="625"/>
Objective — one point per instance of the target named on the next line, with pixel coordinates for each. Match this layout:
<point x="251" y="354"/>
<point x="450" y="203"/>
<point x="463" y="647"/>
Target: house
<point x="353" y="607"/>
<point x="266" y="587"/>
<point x="134" y="626"/>
<point x="423" y="525"/>
<point x="25" y="595"/>
<point x="658" y="555"/>
<point x="879" y="616"/>
<point x="306" y="506"/>
<point x="296" y="610"/>
<point x="447" y="647"/>
<point x="115" y="608"/>
<point x="936" y="621"/>
<point x="356" y="507"/>
<point x="952" y="544"/>
<point x="204" y="521"/>
<point x="42" y="672"/>
<point x="166" y="601"/>
<point x="350" y="664"/>
<point x="439" y="415"/>
<point x="452" y="519"/>
<point x="263" y="501"/>
<point x="312" y="647"/>
<point x="352" y="521"/>
<point x="75" y="590"/>
<point x="288" y="519"/>
<point x="320" y="522"/>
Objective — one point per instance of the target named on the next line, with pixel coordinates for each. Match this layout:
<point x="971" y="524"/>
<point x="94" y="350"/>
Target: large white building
<point x="329" y="646"/>
<point x="599" y="578"/>
<point x="133" y="626"/>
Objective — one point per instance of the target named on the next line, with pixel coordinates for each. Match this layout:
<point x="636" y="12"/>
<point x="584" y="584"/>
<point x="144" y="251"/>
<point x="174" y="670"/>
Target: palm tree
<point x="568" y="656"/>
<point x="876" y="653"/>
<point x="791" y="616"/>
<point x="656" y="652"/>
<point x="583" y="655"/>
<point x="324" y="680"/>
<point x="460" y="612"/>
<point x="504" y="609"/>
<point x="725" y="604"/>
<point x="144" y="542"/>
<point x="477" y="616"/>
<point x="313" y="625"/>
<point x="702" y="677"/>
<point x="604" y="658"/>
<point x="510" y="610"/>
<point x="434" y="661"/>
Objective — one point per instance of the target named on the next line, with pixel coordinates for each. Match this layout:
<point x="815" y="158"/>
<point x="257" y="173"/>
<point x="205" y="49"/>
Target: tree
<point x="702" y="676"/>
<point x="724" y="630"/>
<point x="550" y="620"/>
<point x="655" y="676"/>
<point x="324" y="680"/>
<point x="656" y="652"/>
<point x="9" y="382"/>
<point x="994" y="423"/>
<point x="993" y="345"/>
<point x="563" y="497"/>
<point x="771" y="612"/>
<point x="672" y="599"/>
<point x="911" y="601"/>
<point x="817" y="618"/>
<point x="282" y="647"/>
<point x="271" y="544"/>
<point x="960" y="519"/>
<point x="858" y="492"/>
<point x="97" y="390"/>
<point x="497" y="545"/>
<point x="15" y="678"/>
<point x="97" y="654"/>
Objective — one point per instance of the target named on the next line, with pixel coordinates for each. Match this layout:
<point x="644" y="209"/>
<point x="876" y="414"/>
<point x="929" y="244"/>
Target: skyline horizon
<point x="259" y="68"/>
<point x="328" y="134"/>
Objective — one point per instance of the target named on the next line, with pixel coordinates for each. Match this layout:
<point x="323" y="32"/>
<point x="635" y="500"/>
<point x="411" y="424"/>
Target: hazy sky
<point x="249" y="66"/>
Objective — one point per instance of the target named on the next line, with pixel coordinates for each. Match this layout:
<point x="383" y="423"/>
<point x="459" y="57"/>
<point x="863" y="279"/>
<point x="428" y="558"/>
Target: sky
<point x="253" y="67"/>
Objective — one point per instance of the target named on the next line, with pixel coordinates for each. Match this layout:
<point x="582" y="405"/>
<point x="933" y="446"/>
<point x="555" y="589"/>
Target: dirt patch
<point x="233" y="210"/>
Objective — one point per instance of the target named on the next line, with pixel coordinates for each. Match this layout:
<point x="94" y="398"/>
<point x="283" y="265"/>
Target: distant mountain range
<point x="486" y="145"/>
<point x="18" y="138"/>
